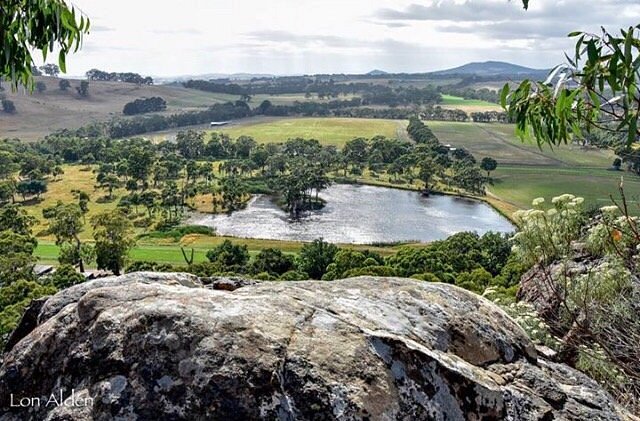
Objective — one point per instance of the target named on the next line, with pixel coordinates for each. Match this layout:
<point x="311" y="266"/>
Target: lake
<point x="361" y="215"/>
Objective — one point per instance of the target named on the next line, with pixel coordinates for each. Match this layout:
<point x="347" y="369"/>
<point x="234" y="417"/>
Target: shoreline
<point x="487" y="199"/>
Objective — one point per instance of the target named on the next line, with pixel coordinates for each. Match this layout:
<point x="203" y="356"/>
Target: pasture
<point x="329" y="131"/>
<point x="526" y="171"/>
<point x="467" y="105"/>
<point x="168" y="251"/>
<point x="75" y="177"/>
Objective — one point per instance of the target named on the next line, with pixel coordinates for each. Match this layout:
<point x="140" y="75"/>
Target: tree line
<point x="127" y="77"/>
<point x="369" y="93"/>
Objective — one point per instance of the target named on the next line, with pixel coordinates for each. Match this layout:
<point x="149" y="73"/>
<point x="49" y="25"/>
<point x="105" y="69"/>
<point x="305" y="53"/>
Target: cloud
<point x="308" y="36"/>
<point x="505" y="23"/>
<point x="260" y="38"/>
<point x="562" y="11"/>
<point x="448" y="10"/>
<point x="509" y="29"/>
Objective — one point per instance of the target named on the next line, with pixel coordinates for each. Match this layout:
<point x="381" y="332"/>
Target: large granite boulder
<point x="166" y="347"/>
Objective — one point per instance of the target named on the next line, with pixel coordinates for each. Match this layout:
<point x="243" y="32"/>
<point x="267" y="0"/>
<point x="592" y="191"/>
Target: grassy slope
<point x="38" y="114"/>
<point x="526" y="171"/>
<point x="329" y="131"/>
<point x="74" y="178"/>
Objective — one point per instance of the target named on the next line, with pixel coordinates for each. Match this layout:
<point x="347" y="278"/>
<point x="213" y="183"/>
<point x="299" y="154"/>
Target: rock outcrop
<point x="164" y="346"/>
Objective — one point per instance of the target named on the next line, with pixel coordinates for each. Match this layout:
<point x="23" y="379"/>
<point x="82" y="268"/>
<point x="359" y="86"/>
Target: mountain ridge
<point x="490" y="68"/>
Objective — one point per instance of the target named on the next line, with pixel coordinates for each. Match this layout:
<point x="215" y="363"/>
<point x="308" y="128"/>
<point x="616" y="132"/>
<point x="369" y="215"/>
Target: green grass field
<point x="520" y="185"/>
<point x="167" y="251"/>
<point x="467" y="105"/>
<point x="526" y="171"/>
<point x="500" y="142"/>
<point x="456" y="100"/>
<point x="329" y="131"/>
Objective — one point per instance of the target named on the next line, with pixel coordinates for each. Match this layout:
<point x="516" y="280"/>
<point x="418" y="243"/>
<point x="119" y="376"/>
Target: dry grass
<point x="39" y="114"/>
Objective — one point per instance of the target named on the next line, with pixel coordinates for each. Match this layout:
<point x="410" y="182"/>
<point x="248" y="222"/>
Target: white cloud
<point x="327" y="36"/>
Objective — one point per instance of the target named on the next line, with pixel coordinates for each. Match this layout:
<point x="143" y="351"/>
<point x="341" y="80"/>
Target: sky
<point x="191" y="37"/>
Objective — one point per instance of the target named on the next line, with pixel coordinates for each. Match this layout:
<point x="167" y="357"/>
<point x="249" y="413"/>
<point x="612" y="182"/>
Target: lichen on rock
<point x="165" y="346"/>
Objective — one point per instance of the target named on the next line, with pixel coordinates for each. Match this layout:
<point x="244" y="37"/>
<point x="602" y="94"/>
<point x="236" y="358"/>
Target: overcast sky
<point x="163" y="38"/>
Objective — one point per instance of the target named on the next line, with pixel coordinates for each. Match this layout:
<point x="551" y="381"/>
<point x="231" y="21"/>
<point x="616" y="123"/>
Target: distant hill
<point x="491" y="68"/>
<point x="377" y="72"/>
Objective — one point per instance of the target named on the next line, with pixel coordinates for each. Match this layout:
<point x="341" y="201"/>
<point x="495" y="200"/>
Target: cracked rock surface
<point x="163" y="346"/>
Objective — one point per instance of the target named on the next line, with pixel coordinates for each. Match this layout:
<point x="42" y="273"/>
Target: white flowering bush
<point x="525" y="315"/>
<point x="547" y="233"/>
<point x="589" y="267"/>
<point x="600" y="287"/>
<point x="615" y="233"/>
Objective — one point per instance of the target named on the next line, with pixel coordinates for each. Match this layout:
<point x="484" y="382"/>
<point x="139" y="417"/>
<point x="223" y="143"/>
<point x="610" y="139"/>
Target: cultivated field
<point x="525" y="171"/>
<point x="468" y="105"/>
<point x="329" y="131"/>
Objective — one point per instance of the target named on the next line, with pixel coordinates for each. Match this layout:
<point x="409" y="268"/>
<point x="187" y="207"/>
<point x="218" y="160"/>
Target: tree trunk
<point x="80" y="262"/>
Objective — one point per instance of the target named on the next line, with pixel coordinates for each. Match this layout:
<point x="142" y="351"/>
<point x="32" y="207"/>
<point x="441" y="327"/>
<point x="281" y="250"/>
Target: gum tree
<point x="46" y="26"/>
<point x="597" y="88"/>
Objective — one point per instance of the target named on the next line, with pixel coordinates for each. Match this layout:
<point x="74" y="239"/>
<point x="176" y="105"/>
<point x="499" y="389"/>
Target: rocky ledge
<point x="165" y="346"/>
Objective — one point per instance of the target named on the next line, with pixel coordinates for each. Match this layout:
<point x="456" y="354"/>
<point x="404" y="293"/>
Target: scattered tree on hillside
<point x="33" y="187"/>
<point x="64" y="84"/>
<point x="41" y="86"/>
<point x="83" y="89"/>
<point x="144" y="105"/>
<point x="109" y="182"/>
<point x="56" y="172"/>
<point x="617" y="163"/>
<point x="127" y="77"/>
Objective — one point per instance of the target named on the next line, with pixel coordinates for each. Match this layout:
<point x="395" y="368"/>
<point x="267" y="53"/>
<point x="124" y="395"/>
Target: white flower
<point x="578" y="200"/>
<point x="552" y="212"/>
<point x="562" y="198"/>
<point x="538" y="201"/>
<point x="536" y="214"/>
<point x="609" y="209"/>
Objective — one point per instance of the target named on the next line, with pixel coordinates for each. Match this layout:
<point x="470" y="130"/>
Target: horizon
<point x="222" y="74"/>
<point x="331" y="37"/>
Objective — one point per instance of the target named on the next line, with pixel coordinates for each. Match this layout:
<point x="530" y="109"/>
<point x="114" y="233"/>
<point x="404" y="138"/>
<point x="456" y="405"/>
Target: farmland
<point x="169" y="251"/>
<point x="526" y="171"/>
<point x="468" y="105"/>
<point x="329" y="131"/>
